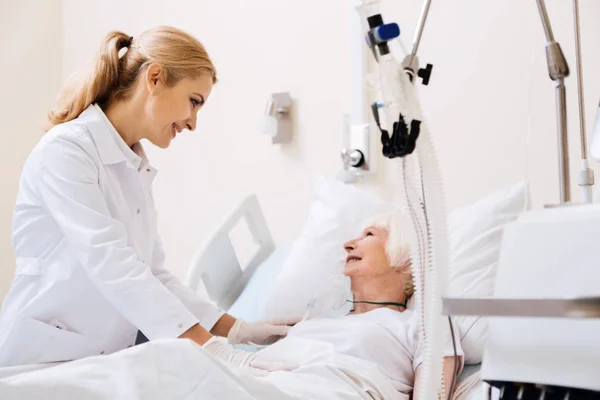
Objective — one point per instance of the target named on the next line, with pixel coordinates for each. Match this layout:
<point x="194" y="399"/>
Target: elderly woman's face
<point x="367" y="254"/>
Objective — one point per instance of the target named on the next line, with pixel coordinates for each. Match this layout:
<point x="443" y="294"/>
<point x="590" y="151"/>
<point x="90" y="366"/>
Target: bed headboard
<point x="220" y="266"/>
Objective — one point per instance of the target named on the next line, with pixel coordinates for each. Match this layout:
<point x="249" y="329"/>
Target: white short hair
<point x="397" y="245"/>
<point x="397" y="248"/>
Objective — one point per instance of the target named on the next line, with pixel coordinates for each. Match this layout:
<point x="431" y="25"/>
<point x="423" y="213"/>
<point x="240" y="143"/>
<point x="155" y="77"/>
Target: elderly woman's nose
<point x="349" y="246"/>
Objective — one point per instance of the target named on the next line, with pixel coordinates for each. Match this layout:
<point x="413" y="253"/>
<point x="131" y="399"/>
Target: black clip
<point x="402" y="142"/>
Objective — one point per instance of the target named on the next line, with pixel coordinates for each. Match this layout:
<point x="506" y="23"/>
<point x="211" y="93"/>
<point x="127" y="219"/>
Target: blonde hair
<point x="397" y="246"/>
<point x="112" y="75"/>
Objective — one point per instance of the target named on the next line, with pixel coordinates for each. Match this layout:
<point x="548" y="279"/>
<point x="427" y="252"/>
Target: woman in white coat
<point x="90" y="264"/>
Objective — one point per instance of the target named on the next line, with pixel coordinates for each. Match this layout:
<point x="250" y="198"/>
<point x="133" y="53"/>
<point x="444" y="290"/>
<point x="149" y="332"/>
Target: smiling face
<point x="367" y="254"/>
<point x="169" y="109"/>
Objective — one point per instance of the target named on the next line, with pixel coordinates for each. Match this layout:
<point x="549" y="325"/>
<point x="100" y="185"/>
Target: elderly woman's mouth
<point x="351" y="259"/>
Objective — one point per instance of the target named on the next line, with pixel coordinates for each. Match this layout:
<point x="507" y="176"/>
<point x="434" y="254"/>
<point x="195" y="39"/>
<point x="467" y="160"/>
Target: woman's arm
<point x="68" y="185"/>
<point x="223" y="326"/>
<point x="448" y="373"/>
<point x="196" y="334"/>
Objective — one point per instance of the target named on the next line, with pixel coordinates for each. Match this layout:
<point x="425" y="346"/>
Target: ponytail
<point x="96" y="85"/>
<point x="112" y="75"/>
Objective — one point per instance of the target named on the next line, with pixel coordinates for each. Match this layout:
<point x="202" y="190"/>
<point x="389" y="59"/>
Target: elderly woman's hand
<point x="253" y="363"/>
<point x="256" y="333"/>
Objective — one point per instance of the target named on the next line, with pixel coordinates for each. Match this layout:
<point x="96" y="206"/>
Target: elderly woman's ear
<point x="409" y="284"/>
<point x="404" y="265"/>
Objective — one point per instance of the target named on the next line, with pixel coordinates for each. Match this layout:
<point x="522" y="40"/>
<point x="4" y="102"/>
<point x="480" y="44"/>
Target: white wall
<point x="485" y="84"/>
<point x="259" y="47"/>
<point x="30" y="67"/>
<point x="483" y="88"/>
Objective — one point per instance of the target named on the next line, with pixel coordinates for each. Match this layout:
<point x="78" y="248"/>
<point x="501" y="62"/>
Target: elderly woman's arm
<point x="448" y="377"/>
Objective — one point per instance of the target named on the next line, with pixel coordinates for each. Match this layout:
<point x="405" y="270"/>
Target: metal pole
<point x="419" y="32"/>
<point x="558" y="70"/>
<point x="586" y="174"/>
<point x="579" y="79"/>
<point x="563" y="142"/>
<point x="545" y="20"/>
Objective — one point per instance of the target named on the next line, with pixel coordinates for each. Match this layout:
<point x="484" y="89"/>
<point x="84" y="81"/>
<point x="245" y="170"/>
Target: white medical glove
<point x="256" y="333"/>
<point x="254" y="364"/>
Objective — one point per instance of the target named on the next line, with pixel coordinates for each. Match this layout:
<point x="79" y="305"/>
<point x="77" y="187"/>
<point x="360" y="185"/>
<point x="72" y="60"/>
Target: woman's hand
<point x="256" y="333"/>
<point x="255" y="364"/>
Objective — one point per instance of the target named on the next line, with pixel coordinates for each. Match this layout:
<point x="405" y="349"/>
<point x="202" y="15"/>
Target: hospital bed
<point x="241" y="285"/>
<point x="236" y="268"/>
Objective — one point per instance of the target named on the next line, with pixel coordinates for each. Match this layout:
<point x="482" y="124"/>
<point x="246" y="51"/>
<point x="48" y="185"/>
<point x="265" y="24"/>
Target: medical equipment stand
<point x="560" y="308"/>
<point x="411" y="62"/>
<point x="542" y="255"/>
<point x="535" y="249"/>
<point x="558" y="70"/>
<point x="586" y="174"/>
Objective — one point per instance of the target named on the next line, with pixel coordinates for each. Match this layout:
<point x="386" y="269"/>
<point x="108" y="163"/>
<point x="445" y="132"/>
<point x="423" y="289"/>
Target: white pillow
<point x="475" y="237"/>
<point x="337" y="215"/>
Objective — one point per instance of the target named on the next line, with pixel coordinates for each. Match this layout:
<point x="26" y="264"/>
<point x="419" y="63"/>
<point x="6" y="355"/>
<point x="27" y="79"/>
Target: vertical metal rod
<point x="563" y="142"/>
<point x="419" y="32"/>
<point x="545" y="20"/>
<point x="580" y="80"/>
<point x="558" y="70"/>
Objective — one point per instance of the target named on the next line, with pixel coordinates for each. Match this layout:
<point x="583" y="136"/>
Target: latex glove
<point x="256" y="333"/>
<point x="254" y="364"/>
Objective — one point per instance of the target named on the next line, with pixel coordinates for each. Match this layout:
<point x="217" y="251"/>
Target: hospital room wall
<point x="483" y="88"/>
<point x="490" y="95"/>
<point x="259" y="47"/>
<point x="30" y="67"/>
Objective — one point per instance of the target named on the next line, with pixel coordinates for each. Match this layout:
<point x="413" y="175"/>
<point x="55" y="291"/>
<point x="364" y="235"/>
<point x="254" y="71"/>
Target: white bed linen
<point x="387" y="338"/>
<point x="179" y="369"/>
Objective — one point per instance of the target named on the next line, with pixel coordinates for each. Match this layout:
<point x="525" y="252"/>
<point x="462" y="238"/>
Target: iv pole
<point x="580" y="307"/>
<point x="558" y="70"/>
<point x="586" y="174"/>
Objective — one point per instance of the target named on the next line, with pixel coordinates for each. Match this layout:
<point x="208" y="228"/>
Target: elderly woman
<point x="380" y="328"/>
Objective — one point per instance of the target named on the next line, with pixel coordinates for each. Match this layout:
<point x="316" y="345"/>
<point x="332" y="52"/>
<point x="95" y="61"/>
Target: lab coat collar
<point x="111" y="146"/>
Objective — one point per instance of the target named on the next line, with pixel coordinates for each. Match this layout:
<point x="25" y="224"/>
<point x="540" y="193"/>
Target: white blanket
<point x="179" y="369"/>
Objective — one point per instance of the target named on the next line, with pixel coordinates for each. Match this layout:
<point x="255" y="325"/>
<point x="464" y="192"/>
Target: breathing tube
<point x="406" y="139"/>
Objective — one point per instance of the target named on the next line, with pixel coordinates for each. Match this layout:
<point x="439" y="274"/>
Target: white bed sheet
<point x="179" y="369"/>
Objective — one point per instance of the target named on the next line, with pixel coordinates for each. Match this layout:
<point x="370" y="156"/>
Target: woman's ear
<point x="154" y="77"/>
<point x="404" y="266"/>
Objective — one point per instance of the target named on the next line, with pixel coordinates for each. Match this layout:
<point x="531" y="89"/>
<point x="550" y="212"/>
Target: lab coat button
<point x="180" y="326"/>
<point x="138" y="210"/>
<point x="57" y="324"/>
<point x="102" y="352"/>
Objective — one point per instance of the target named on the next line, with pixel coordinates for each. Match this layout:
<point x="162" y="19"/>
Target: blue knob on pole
<point x="382" y="34"/>
<point x="387" y="32"/>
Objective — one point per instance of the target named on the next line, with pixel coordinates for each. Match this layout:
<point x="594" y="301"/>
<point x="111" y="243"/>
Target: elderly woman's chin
<point x="350" y="269"/>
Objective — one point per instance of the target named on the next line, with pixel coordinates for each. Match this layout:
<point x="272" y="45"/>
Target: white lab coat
<point x="90" y="265"/>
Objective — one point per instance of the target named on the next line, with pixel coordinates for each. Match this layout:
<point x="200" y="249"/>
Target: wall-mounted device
<point x="359" y="153"/>
<point x="278" y="116"/>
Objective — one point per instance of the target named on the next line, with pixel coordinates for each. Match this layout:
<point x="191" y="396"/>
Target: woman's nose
<point x="349" y="246"/>
<point x="190" y="123"/>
